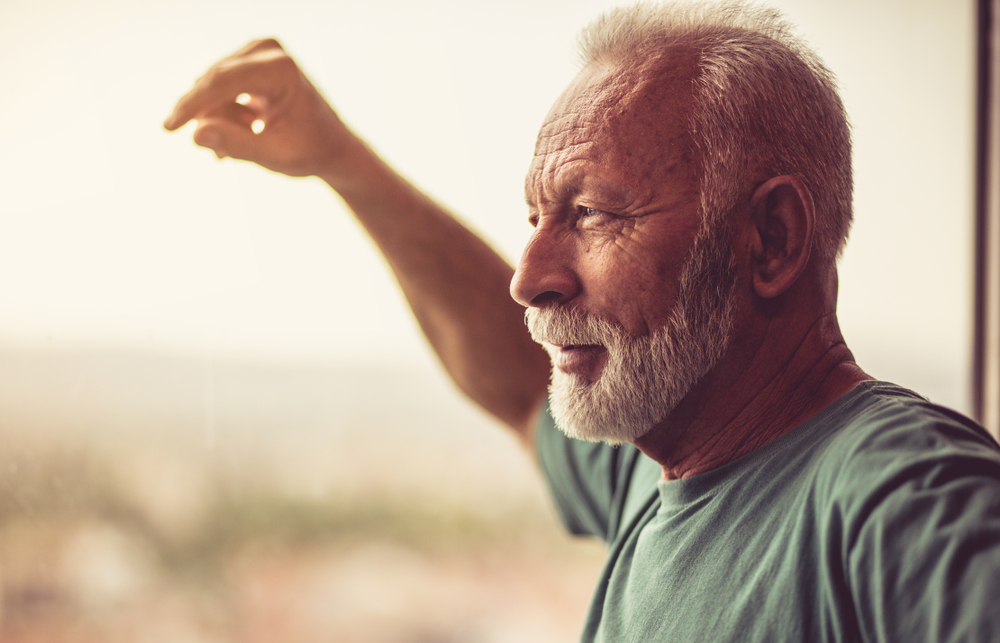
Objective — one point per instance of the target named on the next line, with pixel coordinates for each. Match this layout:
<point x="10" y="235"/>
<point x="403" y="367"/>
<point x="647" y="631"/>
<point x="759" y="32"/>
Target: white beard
<point x="644" y="377"/>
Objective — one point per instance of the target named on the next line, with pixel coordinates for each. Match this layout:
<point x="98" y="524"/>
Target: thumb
<point x="226" y="138"/>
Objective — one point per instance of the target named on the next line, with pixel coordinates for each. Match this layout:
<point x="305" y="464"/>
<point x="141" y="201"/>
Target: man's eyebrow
<point x="570" y="184"/>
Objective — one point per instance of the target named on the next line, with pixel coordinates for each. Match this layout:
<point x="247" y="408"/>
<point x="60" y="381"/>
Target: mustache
<point x="570" y="327"/>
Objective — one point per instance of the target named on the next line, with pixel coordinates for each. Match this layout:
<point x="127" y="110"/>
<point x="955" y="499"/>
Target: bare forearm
<point x="456" y="285"/>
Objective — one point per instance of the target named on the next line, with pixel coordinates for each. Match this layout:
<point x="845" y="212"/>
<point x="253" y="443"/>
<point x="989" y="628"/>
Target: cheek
<point x="633" y="290"/>
<point x="655" y="281"/>
<point x="650" y="264"/>
<point x="632" y="273"/>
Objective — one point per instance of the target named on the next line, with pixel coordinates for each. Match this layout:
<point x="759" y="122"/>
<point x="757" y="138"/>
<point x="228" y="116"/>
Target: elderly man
<point x="690" y="193"/>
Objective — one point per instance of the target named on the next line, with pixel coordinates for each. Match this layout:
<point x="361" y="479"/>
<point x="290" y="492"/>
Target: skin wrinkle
<point x="774" y="393"/>
<point x="575" y="119"/>
<point x="801" y="393"/>
<point x="627" y="95"/>
<point x="572" y="182"/>
<point x="553" y="146"/>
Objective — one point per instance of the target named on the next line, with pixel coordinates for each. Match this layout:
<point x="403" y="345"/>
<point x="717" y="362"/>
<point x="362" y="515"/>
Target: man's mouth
<point x="584" y="360"/>
<point x="555" y="347"/>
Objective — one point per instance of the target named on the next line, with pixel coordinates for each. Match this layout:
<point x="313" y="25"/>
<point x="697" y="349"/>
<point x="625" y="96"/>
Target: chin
<point x="621" y="406"/>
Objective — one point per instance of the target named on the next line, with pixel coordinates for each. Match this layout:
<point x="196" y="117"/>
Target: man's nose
<point x="545" y="275"/>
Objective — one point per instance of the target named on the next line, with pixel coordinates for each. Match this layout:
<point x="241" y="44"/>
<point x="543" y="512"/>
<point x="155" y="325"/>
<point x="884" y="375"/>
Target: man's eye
<point x="594" y="213"/>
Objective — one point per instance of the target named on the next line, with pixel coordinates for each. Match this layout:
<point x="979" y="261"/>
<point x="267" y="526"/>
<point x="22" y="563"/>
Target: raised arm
<point x="455" y="283"/>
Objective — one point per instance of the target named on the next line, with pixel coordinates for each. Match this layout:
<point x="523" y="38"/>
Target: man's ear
<point x="781" y="234"/>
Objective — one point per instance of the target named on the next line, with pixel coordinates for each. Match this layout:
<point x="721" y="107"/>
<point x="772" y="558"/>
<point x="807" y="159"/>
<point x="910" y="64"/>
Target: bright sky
<point x="114" y="232"/>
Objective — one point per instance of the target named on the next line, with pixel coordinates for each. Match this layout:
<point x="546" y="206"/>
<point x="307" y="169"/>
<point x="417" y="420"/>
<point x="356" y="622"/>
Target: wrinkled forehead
<point x="623" y="113"/>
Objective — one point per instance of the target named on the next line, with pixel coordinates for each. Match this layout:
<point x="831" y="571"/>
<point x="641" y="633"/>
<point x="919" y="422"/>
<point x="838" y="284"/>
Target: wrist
<point x="353" y="170"/>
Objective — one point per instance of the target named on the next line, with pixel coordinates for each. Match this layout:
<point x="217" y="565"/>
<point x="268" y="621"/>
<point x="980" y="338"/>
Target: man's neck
<point x="750" y="400"/>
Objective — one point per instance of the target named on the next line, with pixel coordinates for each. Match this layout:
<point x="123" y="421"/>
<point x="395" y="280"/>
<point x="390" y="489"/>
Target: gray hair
<point x="764" y="102"/>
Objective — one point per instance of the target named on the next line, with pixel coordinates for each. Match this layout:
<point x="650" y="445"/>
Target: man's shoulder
<point x="883" y="436"/>
<point x="880" y="419"/>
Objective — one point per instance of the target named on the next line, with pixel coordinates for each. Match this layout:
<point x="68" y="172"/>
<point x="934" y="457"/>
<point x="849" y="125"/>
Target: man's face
<point x="612" y="193"/>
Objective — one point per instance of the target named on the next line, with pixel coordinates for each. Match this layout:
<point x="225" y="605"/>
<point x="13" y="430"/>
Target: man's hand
<point x="301" y="134"/>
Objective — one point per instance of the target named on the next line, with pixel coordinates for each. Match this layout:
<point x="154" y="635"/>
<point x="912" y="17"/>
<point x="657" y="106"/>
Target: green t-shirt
<point x="876" y="520"/>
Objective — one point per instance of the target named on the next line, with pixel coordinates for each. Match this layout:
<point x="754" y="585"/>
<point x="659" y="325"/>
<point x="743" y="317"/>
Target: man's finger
<point x="254" y="46"/>
<point x="258" y="72"/>
<point x="226" y="138"/>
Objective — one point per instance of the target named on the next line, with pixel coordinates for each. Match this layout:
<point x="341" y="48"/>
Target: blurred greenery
<point x="64" y="486"/>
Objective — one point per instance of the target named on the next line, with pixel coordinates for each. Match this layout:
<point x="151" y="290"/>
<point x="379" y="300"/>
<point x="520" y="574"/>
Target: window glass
<point x="218" y="421"/>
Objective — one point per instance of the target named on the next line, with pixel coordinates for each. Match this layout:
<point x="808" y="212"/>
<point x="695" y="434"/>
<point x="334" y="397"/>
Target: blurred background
<point x="218" y="421"/>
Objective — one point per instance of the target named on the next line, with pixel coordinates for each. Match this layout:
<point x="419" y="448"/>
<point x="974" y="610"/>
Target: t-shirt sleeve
<point x="924" y="542"/>
<point x="590" y="482"/>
